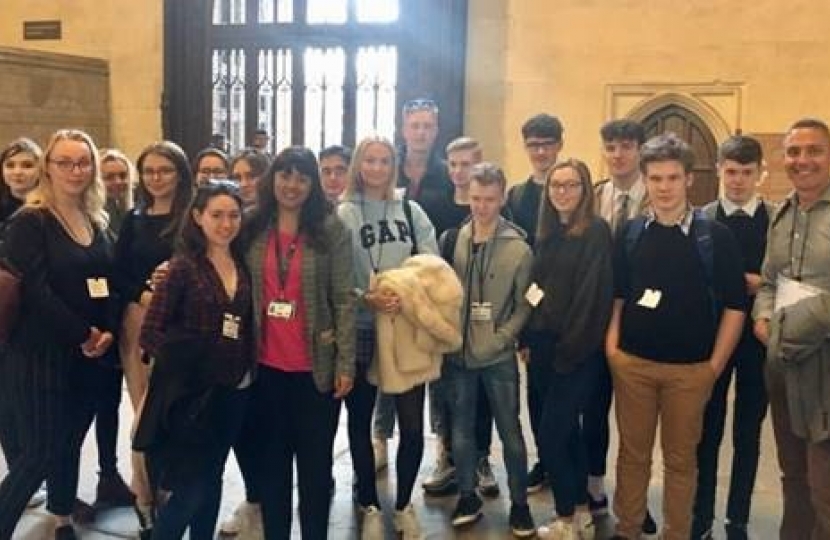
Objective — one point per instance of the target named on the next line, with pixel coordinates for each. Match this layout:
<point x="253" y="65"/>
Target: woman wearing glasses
<point x="198" y="329"/>
<point x="60" y="245"/>
<point x="145" y="241"/>
<point x="210" y="163"/>
<point x="384" y="234"/>
<point x="572" y="306"/>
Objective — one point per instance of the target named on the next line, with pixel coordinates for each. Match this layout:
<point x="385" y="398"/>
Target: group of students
<point x="247" y="299"/>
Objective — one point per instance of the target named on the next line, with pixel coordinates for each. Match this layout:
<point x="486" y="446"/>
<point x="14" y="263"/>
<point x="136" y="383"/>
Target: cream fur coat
<point x="410" y="344"/>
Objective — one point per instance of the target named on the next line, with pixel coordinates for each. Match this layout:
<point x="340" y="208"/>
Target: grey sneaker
<point x="442" y="478"/>
<point x="487" y="484"/>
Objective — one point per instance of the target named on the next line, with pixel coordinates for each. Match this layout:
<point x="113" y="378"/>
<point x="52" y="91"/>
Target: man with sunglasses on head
<point x="423" y="175"/>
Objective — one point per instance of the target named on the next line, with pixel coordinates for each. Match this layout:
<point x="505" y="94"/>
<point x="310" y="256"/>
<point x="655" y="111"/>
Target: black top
<point x="57" y="308"/>
<point x="140" y="249"/>
<point x="523" y="203"/>
<point x="435" y="192"/>
<point x="751" y="235"/>
<point x="682" y="327"/>
<point x="575" y="273"/>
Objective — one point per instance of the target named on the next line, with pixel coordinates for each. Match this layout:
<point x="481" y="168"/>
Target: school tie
<point x="621" y="215"/>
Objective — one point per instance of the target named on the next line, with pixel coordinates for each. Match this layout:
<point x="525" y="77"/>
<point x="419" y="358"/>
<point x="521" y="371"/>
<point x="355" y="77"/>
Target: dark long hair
<point x="184" y="182"/>
<point x="315" y="210"/>
<point x="191" y="240"/>
<point x="582" y="215"/>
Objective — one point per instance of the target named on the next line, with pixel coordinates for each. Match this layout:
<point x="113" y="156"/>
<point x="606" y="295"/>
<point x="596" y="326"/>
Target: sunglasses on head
<point x="414" y="105"/>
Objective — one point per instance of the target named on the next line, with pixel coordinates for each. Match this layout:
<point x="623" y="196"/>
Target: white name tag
<point x="481" y="312"/>
<point x="534" y="294"/>
<point x="650" y="299"/>
<point x="282" y="309"/>
<point x="98" y="287"/>
<point x="230" y="326"/>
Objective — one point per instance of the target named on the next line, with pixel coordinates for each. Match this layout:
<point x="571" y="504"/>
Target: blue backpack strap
<point x="633" y="231"/>
<point x="702" y="230"/>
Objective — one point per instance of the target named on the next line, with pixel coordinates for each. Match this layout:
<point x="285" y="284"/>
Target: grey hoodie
<point x="503" y="265"/>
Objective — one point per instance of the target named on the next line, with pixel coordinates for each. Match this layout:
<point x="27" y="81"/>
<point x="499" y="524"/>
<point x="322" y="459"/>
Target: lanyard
<point x="796" y="272"/>
<point x="374" y="264"/>
<point x="480" y="266"/>
<point x="284" y="263"/>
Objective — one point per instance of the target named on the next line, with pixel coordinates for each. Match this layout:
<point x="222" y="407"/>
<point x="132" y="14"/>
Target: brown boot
<point x="113" y="492"/>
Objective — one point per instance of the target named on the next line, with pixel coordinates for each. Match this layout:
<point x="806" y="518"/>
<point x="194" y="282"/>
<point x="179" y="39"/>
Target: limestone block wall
<point x="41" y="92"/>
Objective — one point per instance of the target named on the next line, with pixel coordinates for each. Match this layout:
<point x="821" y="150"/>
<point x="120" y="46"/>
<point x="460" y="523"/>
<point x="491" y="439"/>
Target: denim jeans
<point x="194" y="504"/>
<point x="501" y="384"/>
<point x="384" y="418"/>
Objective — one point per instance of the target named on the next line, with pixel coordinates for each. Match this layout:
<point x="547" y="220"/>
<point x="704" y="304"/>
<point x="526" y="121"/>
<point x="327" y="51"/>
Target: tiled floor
<point x="434" y="512"/>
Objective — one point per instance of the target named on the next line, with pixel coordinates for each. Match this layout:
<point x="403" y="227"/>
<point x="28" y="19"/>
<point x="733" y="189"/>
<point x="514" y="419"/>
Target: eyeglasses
<point x="67" y="165"/>
<point x="111" y="177"/>
<point x="414" y="105"/>
<point x="565" y="186"/>
<point x="535" y="146"/>
<point x="161" y="171"/>
<point x="213" y="172"/>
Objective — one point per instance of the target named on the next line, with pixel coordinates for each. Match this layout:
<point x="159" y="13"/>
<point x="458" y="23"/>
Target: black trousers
<point x="595" y="421"/>
<point x="750" y="407"/>
<point x="297" y="422"/>
<point x="107" y="403"/>
<point x="46" y="407"/>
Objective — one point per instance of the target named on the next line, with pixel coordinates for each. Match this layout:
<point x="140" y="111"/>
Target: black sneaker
<point x="599" y="507"/>
<point x="112" y="492"/>
<point x="83" y="513"/>
<point x="536" y="478"/>
<point x="649" y="526"/>
<point x="468" y="510"/>
<point x="521" y="522"/>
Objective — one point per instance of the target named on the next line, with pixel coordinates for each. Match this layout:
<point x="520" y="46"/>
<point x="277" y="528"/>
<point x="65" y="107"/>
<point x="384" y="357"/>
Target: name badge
<point x="534" y="295"/>
<point x="481" y="312"/>
<point x="650" y="299"/>
<point x="230" y="326"/>
<point x="98" y="287"/>
<point x="282" y="309"/>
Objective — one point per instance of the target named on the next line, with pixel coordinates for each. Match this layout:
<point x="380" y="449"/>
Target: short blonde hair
<point x="354" y="182"/>
<point x="465" y="143"/>
<point x="94" y="194"/>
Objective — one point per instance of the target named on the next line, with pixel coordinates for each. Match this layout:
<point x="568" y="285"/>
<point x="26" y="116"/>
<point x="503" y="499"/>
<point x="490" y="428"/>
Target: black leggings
<point x="410" y="409"/>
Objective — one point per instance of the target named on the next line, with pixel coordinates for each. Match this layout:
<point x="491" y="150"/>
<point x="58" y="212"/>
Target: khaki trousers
<point x="676" y="394"/>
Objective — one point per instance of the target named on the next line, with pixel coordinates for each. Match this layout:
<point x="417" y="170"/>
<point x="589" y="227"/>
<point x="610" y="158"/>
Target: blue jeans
<point x="501" y="385"/>
<point x="194" y="503"/>
<point x="384" y="418"/>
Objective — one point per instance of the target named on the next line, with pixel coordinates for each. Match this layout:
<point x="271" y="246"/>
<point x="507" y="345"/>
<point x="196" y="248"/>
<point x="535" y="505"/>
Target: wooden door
<point x="688" y="126"/>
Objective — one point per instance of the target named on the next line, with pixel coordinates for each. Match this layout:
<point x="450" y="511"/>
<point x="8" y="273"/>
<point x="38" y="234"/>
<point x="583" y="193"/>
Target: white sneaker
<point x="442" y="476"/>
<point x="584" y="525"/>
<point x="372" y="528"/>
<point x="245" y="522"/>
<point x="379" y="447"/>
<point x="38" y="497"/>
<point x="406" y="523"/>
<point x="558" y="530"/>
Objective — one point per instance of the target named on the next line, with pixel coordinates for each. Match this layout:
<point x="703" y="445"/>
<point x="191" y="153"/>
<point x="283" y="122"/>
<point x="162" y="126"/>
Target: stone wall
<point x="41" y="92"/>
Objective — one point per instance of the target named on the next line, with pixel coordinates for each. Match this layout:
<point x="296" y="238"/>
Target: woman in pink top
<point x="300" y="258"/>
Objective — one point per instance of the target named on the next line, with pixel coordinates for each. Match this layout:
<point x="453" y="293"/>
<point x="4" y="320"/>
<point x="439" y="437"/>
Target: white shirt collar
<point x="729" y="207"/>
<point x="684" y="222"/>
